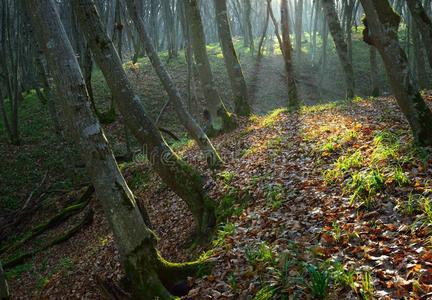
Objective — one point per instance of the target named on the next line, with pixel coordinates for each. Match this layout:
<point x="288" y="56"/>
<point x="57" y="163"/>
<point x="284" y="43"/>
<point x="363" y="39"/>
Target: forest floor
<point x="332" y="201"/>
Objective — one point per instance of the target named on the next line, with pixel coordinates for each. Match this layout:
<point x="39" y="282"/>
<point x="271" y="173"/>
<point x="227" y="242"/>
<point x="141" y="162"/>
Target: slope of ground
<point x="333" y="201"/>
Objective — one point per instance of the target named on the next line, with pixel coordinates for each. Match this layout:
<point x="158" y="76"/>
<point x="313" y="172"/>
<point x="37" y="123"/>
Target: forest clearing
<point x="225" y="149"/>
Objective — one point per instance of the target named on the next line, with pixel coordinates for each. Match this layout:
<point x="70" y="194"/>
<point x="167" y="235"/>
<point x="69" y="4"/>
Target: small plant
<point x="319" y="281"/>
<point x="341" y="276"/>
<point x="365" y="185"/>
<point x="367" y="288"/>
<point x="232" y="281"/>
<point x="387" y="146"/>
<point x="411" y="206"/>
<point x="343" y="165"/>
<point x="426" y="207"/>
<point x="266" y="293"/>
<point x="262" y="254"/>
<point x="230" y="205"/>
<point x="336" y="231"/>
<point x="225" y="231"/>
<point x="227" y="176"/>
<point x="274" y="196"/>
<point x="399" y="177"/>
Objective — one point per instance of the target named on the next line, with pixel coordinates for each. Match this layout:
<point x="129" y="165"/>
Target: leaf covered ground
<point x="333" y="201"/>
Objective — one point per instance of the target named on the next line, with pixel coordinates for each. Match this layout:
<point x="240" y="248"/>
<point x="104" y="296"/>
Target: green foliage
<point x="426" y="208"/>
<point x="230" y="205"/>
<point x="225" y="231"/>
<point x="138" y="178"/>
<point x="227" y="176"/>
<point x="344" y="164"/>
<point x="18" y="271"/>
<point x="265" y="293"/>
<point x="319" y="281"/>
<point x="367" y="287"/>
<point x="387" y="146"/>
<point x="274" y="195"/>
<point x="364" y="185"/>
<point x="261" y="254"/>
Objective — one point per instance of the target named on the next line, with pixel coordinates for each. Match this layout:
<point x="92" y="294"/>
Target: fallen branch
<point x="162" y="111"/>
<point x="61" y="217"/>
<point x="85" y="221"/>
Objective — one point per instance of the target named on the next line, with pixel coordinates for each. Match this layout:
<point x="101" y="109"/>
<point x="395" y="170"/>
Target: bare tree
<point x="135" y="241"/>
<point x="341" y="45"/>
<point x="179" y="176"/>
<point x="424" y="25"/>
<point x="293" y="101"/>
<point x="219" y="118"/>
<point x="235" y="72"/>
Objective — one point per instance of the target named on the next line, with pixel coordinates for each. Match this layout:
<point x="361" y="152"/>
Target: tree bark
<point x="341" y="46"/>
<point x="135" y="241"/>
<point x="424" y="25"/>
<point x="375" y="89"/>
<point x="293" y="101"/>
<point x="235" y="72"/>
<point x="219" y="118"/>
<point x="247" y="26"/>
<point x="187" y="120"/>
<point x="381" y="31"/>
<point x="299" y="29"/>
<point x="185" y="181"/>
<point x="264" y="33"/>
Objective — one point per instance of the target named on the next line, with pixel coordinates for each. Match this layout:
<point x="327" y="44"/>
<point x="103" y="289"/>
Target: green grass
<point x="364" y="186"/>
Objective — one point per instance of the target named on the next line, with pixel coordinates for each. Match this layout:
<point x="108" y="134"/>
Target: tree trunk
<point x="235" y="72"/>
<point x="341" y="46"/>
<point x="264" y="33"/>
<point x="419" y="58"/>
<point x="247" y="26"/>
<point x="381" y="31"/>
<point x="219" y="118"/>
<point x="143" y="265"/>
<point x="187" y="120"/>
<point x="375" y="90"/>
<point x="169" y="27"/>
<point x="179" y="176"/>
<point x="154" y="23"/>
<point x="299" y="29"/>
<point x="424" y="25"/>
<point x="293" y="101"/>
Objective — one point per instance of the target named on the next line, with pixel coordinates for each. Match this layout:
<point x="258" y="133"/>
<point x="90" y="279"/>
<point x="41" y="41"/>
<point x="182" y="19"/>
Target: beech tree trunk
<point x="219" y="118"/>
<point x="424" y="25"/>
<point x="293" y="101"/>
<point x="341" y="45"/>
<point x="170" y="32"/>
<point x="264" y="33"/>
<point x="185" y="181"/>
<point x="375" y="89"/>
<point x="185" y="117"/>
<point x="235" y="72"/>
<point x="135" y="241"/>
<point x="299" y="29"/>
<point x="247" y="26"/>
<point x="381" y="31"/>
